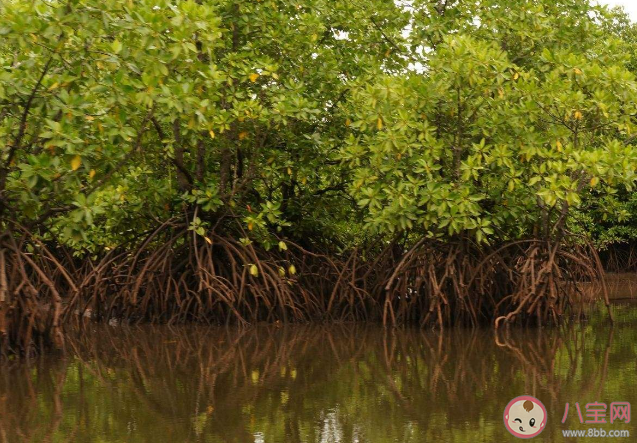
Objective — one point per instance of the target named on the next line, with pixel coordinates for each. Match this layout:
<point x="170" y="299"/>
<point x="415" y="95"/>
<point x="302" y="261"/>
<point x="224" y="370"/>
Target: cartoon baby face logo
<point x="525" y="416"/>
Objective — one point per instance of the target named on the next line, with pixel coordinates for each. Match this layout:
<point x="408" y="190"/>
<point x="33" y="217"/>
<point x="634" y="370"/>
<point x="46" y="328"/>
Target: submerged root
<point x="534" y="281"/>
<point x="176" y="276"/>
<point x="32" y="284"/>
<point x="545" y="280"/>
<point x="211" y="279"/>
<point x="429" y="285"/>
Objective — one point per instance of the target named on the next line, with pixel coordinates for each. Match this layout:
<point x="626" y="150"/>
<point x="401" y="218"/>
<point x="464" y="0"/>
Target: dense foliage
<point x="117" y="114"/>
<point x="323" y="126"/>
<point x="482" y="117"/>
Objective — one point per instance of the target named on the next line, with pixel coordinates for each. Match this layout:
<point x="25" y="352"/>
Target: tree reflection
<point x="340" y="383"/>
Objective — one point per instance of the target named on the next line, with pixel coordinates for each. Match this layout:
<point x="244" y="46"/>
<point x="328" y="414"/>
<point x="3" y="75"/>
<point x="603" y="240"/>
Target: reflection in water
<point x="343" y="383"/>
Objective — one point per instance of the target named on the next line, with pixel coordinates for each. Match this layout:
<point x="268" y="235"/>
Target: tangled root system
<point x="177" y="276"/>
<point x="210" y="279"/>
<point x="430" y="285"/>
<point x="32" y="281"/>
<point x="543" y="280"/>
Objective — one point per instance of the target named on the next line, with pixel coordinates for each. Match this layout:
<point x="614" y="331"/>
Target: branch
<point x="385" y="36"/>
<point x="178" y="165"/>
<point x="127" y="157"/>
<point x="17" y="141"/>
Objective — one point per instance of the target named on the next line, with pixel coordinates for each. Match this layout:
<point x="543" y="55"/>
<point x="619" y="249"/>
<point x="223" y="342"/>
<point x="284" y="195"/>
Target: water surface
<point x="325" y="383"/>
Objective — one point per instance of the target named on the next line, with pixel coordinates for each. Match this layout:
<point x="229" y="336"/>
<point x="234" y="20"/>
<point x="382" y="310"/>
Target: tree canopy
<point x="323" y="126"/>
<point x="477" y="117"/>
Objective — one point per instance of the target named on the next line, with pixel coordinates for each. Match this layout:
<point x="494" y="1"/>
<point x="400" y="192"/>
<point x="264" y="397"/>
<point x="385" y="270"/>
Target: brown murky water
<point x="337" y="383"/>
